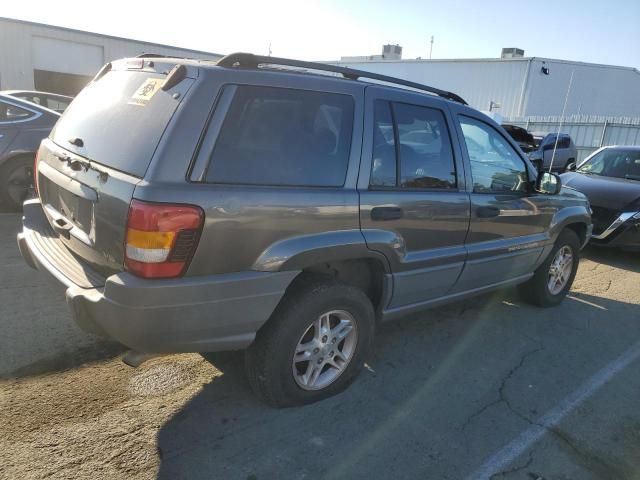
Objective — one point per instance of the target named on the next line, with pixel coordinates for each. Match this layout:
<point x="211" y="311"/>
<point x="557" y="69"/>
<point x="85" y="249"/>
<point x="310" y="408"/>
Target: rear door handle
<point x="386" y="213"/>
<point x="487" y="212"/>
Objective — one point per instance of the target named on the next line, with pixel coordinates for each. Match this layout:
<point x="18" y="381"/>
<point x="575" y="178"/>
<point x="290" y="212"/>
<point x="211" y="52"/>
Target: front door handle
<point x="487" y="212"/>
<point x="386" y="213"/>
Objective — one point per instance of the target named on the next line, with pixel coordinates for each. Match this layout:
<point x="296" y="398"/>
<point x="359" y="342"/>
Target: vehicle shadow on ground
<point x="625" y="260"/>
<point x="66" y="360"/>
<point x="416" y="404"/>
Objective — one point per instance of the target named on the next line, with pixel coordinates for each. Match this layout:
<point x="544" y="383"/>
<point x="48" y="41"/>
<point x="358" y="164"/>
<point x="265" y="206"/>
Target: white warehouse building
<point x="35" y="56"/>
<point x="516" y="86"/>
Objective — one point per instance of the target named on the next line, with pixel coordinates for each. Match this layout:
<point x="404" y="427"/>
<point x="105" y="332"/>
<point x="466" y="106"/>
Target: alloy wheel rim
<point x="560" y="270"/>
<point x="325" y="350"/>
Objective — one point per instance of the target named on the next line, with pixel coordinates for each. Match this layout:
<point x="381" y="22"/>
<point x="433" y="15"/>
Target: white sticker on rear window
<point x="146" y="91"/>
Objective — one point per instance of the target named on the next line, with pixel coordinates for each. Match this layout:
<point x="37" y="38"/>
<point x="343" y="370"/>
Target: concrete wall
<point x="23" y="44"/>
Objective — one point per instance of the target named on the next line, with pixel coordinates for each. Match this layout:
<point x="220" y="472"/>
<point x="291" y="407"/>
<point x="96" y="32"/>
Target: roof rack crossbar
<point x="249" y="60"/>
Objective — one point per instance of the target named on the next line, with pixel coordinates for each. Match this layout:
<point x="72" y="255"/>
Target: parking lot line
<point x="553" y="417"/>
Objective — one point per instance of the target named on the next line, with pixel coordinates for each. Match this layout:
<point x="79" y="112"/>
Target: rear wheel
<point x="16" y="181"/>
<point x="553" y="279"/>
<point x="314" y="345"/>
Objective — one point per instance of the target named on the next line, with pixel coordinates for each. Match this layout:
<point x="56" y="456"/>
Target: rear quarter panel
<point x="256" y="227"/>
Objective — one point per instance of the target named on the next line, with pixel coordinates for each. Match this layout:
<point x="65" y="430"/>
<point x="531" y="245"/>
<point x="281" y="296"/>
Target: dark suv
<point x="189" y="206"/>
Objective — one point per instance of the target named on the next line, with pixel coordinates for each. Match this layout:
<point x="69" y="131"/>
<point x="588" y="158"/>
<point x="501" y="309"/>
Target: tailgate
<point x="96" y="155"/>
<point x="87" y="209"/>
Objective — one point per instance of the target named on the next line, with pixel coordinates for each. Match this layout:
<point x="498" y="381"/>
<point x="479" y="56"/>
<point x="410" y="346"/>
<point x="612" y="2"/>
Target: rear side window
<point x="10" y="113"/>
<point x="280" y="136"/>
<point x="412" y="148"/>
<point x="120" y="119"/>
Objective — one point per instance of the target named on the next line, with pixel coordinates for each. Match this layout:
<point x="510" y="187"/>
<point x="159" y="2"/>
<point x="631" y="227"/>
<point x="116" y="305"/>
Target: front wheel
<point x="314" y="345"/>
<point x="553" y="279"/>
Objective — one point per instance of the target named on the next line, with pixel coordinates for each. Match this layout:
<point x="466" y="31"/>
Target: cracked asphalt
<point x="487" y="388"/>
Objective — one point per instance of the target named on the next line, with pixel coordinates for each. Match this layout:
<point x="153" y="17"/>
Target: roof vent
<point x="512" y="53"/>
<point x="392" y="52"/>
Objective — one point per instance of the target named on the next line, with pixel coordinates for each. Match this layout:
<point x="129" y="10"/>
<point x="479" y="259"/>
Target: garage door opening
<point x="62" y="83"/>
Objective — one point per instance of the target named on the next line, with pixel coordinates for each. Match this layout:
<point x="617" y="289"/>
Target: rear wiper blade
<point x="77" y="141"/>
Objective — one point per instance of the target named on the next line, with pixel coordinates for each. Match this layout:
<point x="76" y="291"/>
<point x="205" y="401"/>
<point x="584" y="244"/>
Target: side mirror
<point x="548" y="183"/>
<point x="571" y="167"/>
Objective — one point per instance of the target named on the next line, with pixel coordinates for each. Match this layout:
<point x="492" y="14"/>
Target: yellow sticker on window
<point x="146" y="91"/>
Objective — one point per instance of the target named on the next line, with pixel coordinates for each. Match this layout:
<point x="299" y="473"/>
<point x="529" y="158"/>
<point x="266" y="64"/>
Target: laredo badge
<point x="147" y="90"/>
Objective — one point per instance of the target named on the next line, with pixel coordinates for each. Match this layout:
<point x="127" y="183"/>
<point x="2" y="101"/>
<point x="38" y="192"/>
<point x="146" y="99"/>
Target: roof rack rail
<point x="249" y="60"/>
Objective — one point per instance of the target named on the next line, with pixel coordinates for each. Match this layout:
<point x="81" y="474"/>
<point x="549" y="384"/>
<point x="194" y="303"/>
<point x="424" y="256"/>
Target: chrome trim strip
<point x="616" y="223"/>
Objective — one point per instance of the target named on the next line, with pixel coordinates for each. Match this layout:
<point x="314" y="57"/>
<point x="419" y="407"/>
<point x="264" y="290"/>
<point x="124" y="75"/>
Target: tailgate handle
<point x="67" y="183"/>
<point x="63" y="227"/>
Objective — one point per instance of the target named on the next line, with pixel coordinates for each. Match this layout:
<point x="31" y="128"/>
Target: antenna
<point x="431" y="48"/>
<point x="564" y="108"/>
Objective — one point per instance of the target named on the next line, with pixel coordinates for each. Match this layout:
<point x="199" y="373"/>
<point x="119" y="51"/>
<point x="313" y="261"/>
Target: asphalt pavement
<point x="486" y="388"/>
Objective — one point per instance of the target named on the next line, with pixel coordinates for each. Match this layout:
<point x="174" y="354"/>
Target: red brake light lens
<point x="161" y="238"/>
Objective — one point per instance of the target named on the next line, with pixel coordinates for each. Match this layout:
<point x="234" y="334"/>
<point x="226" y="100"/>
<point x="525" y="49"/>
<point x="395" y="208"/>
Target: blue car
<point x="22" y="126"/>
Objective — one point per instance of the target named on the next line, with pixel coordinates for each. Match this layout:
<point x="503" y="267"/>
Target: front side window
<point x="279" y="136"/>
<point x="10" y="113"/>
<point x="411" y="148"/>
<point x="564" y="142"/>
<point x="495" y="165"/>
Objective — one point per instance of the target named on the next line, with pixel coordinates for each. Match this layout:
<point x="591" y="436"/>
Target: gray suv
<point x="261" y="204"/>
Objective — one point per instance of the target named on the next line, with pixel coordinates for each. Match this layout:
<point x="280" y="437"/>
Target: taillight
<point x="161" y="238"/>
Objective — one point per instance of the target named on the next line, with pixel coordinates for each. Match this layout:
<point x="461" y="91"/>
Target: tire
<point x="269" y="361"/>
<point x="11" y="193"/>
<point x="537" y="290"/>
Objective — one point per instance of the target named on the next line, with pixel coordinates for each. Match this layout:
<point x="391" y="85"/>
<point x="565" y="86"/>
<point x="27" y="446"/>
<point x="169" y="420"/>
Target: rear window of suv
<point x="120" y="119"/>
<point x="281" y="136"/>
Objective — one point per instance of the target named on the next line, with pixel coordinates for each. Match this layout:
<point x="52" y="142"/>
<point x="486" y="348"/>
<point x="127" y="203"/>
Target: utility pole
<point x="431" y="48"/>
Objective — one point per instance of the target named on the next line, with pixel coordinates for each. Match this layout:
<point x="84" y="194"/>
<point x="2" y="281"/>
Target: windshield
<point x="614" y="163"/>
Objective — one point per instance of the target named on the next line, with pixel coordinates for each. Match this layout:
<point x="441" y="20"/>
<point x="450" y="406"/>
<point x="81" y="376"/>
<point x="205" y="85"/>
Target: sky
<point x="605" y="32"/>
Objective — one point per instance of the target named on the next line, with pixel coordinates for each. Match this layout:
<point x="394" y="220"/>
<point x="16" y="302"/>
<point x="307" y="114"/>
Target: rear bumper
<point x="192" y="314"/>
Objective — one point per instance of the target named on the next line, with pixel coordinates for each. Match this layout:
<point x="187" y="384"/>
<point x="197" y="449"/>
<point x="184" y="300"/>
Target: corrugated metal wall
<point x="478" y="82"/>
<point x="595" y="89"/>
<point x="16" y="50"/>
<point x="520" y="86"/>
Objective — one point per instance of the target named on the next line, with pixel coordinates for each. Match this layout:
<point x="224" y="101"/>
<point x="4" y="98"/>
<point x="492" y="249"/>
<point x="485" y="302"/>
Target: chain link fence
<point x="589" y="132"/>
